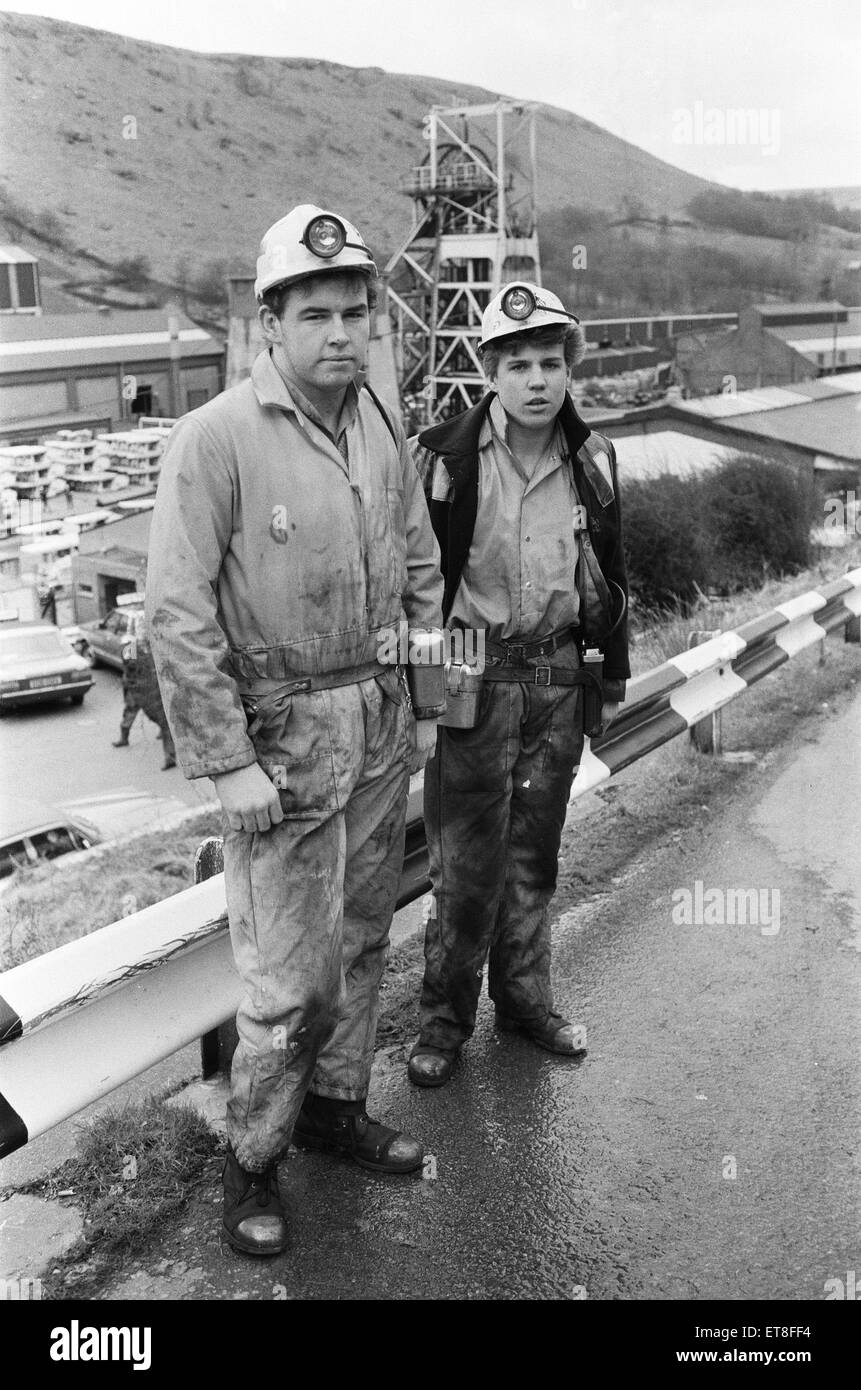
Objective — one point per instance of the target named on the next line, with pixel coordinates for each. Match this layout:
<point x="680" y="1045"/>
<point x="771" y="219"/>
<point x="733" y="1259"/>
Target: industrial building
<point x="101" y="370"/>
<point x="813" y="424"/>
<point x="772" y="345"/>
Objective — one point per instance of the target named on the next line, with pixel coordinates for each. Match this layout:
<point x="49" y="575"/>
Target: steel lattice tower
<point x="473" y="230"/>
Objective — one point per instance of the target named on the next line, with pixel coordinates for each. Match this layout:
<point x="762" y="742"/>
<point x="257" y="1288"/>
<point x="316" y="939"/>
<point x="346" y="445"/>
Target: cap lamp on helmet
<point x="521" y="307"/>
<point x="309" y="241"/>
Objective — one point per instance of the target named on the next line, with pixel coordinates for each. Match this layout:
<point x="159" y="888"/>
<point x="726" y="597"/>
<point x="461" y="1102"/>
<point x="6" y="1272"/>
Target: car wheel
<point x="77" y="699"/>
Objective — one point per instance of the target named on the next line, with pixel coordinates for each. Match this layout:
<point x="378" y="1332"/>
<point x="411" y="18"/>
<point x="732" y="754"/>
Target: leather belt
<point x="326" y="680"/>
<point x="524" y="651"/>
<point x="542" y="675"/>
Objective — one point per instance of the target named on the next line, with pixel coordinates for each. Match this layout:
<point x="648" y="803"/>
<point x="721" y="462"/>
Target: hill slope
<point x="225" y="144"/>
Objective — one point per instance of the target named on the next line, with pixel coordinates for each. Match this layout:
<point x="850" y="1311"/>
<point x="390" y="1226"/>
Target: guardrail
<point x="81" y="1020"/>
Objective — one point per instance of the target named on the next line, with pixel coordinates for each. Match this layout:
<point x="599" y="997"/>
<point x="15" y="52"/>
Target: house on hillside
<point x="773" y="345"/>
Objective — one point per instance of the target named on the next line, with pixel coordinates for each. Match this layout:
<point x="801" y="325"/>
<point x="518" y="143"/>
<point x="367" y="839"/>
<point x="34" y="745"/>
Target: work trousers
<point x="495" y="803"/>
<point x="310" y="904"/>
<point x="142" y="693"/>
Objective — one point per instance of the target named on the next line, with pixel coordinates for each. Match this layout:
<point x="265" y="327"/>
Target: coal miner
<point x="141" y="693"/>
<point x="524" y="503"/>
<point x="290" y="539"/>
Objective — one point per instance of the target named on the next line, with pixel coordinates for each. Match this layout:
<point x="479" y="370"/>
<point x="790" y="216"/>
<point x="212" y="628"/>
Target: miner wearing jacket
<point x="290" y="538"/>
<point x="524" y="503"/>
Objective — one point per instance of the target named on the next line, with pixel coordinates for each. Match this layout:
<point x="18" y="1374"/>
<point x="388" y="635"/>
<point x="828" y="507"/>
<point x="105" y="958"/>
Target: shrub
<point x="133" y="270"/>
<point x="722" y="530"/>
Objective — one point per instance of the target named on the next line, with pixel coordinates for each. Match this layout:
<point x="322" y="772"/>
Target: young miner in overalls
<point x="290" y="537"/>
<point x="524" y="503"/>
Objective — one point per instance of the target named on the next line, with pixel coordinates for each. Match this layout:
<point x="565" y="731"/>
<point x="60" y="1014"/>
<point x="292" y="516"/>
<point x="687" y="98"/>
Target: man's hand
<point x="425" y="743"/>
<point x="250" y="800"/>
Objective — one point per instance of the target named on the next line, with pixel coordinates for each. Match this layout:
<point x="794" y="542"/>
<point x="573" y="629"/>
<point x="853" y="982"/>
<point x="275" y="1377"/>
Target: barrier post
<point x="217" y="1046"/>
<point x="706" y="734"/>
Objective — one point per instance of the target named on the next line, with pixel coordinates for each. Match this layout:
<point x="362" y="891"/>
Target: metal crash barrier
<point x="80" y="1021"/>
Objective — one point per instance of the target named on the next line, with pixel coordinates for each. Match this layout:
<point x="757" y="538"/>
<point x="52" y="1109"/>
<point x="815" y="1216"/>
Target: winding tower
<point x="473" y="229"/>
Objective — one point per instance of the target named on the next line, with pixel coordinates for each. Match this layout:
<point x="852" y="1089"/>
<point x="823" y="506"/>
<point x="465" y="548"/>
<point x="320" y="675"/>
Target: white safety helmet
<point x="520" y="307"/>
<point x="305" y="242"/>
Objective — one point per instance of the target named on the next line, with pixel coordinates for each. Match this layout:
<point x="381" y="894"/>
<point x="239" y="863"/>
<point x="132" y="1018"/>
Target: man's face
<point x="531" y="381"/>
<point x="321" y="338"/>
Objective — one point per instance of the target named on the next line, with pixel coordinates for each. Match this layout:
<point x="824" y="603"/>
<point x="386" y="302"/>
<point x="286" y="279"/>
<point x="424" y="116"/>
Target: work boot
<point x="121" y="742"/>
<point x="343" y="1126"/>
<point x="253" y="1220"/>
<point x="430" y="1066"/>
<point x="556" y="1035"/>
<point x="168" y="763"/>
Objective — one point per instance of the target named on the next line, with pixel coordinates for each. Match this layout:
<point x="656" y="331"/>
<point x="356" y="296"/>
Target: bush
<point x="760" y="514"/>
<point x="722" y="530"/>
<point x="134" y="271"/>
<point x="666" y="540"/>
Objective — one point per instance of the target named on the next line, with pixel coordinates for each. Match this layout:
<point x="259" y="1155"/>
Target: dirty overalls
<point x="278" y="561"/>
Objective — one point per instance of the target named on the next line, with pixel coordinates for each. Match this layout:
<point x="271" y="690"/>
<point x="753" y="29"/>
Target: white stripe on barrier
<point x="93" y="964"/>
<point x="706" y="693"/>
<point x="795" y="608"/>
<point x="724" y="648"/>
<point x="57" y="1071"/>
<point x="591" y="773"/>
<point x="800" y="634"/>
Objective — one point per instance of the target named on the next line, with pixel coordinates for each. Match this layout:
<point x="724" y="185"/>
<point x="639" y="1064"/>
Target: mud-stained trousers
<point x="495" y="802"/>
<point x="310" y="904"/>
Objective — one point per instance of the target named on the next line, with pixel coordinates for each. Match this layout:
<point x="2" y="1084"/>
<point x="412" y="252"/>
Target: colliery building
<point x="772" y="345"/>
<point x="101" y="371"/>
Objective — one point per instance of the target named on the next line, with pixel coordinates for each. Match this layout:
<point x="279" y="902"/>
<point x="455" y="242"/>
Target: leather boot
<point x="253" y="1220"/>
<point x="121" y="742"/>
<point x="343" y="1126"/>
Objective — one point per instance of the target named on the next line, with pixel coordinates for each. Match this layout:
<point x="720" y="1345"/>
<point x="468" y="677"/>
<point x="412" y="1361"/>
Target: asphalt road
<point x="707" y="1147"/>
<point x="57" y="753"/>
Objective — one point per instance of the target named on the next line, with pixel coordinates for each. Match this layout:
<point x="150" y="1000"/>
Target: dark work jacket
<point x="601" y="586"/>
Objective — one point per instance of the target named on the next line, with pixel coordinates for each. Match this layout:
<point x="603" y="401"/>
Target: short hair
<point x="276" y="298"/>
<point x="570" y="337"/>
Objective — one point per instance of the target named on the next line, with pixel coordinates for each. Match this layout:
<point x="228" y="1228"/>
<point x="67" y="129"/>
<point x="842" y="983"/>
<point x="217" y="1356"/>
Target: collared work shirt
<point x="519" y="580"/>
<point x="273" y="556"/>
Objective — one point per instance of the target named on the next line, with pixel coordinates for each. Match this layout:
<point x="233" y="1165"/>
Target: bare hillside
<point x="185" y="158"/>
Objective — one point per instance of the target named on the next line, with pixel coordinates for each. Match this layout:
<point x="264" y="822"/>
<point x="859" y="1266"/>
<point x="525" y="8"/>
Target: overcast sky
<point x="663" y="74"/>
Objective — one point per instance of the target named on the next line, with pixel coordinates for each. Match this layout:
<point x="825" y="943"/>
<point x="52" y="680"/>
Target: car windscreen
<point x="20" y="648"/>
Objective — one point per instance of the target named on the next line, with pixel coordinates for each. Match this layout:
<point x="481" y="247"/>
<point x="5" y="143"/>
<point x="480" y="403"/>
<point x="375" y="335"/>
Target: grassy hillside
<point x="225" y="144"/>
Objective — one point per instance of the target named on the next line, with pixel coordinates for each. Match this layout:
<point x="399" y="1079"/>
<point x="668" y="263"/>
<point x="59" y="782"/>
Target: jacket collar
<point x="457" y="439"/>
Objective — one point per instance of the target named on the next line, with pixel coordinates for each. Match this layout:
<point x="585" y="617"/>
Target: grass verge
<point x="134" y="1170"/>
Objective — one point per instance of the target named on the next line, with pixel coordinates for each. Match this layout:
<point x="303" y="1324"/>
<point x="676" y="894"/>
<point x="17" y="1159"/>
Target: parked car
<point x="30" y="833"/>
<point x="109" y="636"/>
<point x="38" y="664"/>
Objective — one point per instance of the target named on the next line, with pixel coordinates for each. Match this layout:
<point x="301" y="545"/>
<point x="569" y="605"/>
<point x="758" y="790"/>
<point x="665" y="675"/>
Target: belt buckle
<point x="542" y="671"/>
